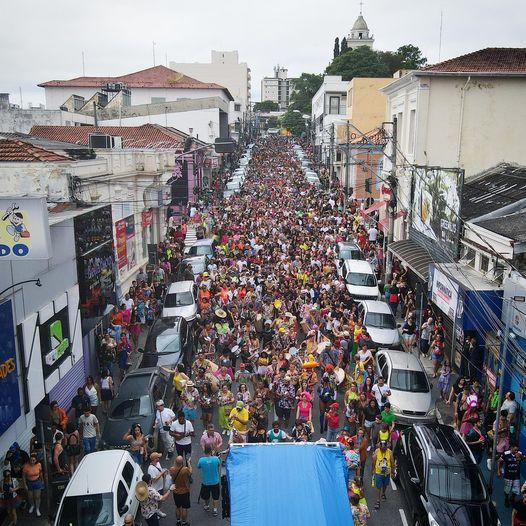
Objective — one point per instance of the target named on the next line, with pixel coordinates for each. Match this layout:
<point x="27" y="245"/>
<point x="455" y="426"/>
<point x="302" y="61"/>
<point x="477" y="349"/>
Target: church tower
<point x="359" y="35"/>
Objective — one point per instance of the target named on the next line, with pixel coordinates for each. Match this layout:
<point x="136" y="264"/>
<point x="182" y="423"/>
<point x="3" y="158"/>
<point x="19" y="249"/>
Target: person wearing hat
<point x="158" y="474"/>
<point x="238" y="419"/>
<point x="149" y="500"/>
<point x="382" y="465"/>
<point x="163" y="420"/>
<point x="190" y="398"/>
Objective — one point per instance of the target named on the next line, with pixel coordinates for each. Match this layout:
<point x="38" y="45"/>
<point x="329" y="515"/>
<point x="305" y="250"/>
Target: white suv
<point x="380" y="323"/>
<point x="360" y="280"/>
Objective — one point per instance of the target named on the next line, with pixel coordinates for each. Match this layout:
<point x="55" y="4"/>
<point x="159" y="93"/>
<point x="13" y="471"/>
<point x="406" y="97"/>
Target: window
<point x="417" y="458"/>
<point x="470" y="257"/>
<point x="411" y="142"/>
<point x="155" y="100"/>
<point x="380" y="320"/>
<point x="122" y="496"/>
<point x="87" y="510"/>
<point x="360" y="35"/>
<point x="408" y="381"/>
<point x="334" y="105"/>
<point x="459" y="483"/>
<point x="484" y="263"/>
<point x="381" y="363"/>
<point x="360" y="279"/>
<point x="127" y="473"/>
<point x="179" y="299"/>
<point x="131" y="408"/>
<point x="237" y="107"/>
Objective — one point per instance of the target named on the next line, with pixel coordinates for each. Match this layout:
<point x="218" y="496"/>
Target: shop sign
<point x="55" y="342"/>
<point x="9" y="393"/>
<point x="436" y="205"/>
<point x="131" y="253"/>
<point x="146" y="218"/>
<point x="24" y="229"/>
<point x="444" y="293"/>
<point x="120" y="239"/>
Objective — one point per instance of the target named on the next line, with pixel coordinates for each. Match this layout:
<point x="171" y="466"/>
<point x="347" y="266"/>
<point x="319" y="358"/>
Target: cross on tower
<point x="361" y="6"/>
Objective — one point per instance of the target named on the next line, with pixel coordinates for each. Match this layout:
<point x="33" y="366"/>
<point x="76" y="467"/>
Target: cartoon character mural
<point x="15" y="220"/>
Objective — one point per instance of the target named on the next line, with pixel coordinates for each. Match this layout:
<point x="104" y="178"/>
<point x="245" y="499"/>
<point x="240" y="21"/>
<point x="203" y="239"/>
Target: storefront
<point x="470" y="305"/>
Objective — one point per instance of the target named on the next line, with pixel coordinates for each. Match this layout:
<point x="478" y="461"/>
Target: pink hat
<point x="307" y="395"/>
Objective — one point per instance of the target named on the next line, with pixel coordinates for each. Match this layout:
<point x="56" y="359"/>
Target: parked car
<point x="181" y="300"/>
<point x="197" y="266"/>
<point x="134" y="404"/>
<point x="411" y="400"/>
<point x="360" y="279"/>
<point x="380" y="322"/>
<point x="441" y="482"/>
<point x="101" y="492"/>
<point x="202" y="247"/>
<point x="169" y="342"/>
<point x="348" y="250"/>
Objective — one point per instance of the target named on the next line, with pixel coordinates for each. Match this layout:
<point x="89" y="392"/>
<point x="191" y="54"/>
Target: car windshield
<point x="168" y="342"/>
<point x="348" y="253"/>
<point x="197" y="266"/>
<point x="178" y="299"/>
<point x="87" y="510"/>
<point x="131" y="407"/>
<point x="457" y="483"/>
<point x="380" y="320"/>
<point x="200" y="250"/>
<point x="412" y="381"/>
<point x="361" y="280"/>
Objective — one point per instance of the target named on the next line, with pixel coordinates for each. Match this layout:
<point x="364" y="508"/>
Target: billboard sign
<point x="24" y="229"/>
<point x="55" y="341"/>
<point x="436" y="205"/>
<point x="9" y="392"/>
<point x="131" y="252"/>
<point x="120" y="238"/>
<point x="444" y="293"/>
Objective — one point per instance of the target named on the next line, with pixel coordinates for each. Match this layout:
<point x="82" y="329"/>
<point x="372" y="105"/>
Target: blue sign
<point x="9" y="393"/>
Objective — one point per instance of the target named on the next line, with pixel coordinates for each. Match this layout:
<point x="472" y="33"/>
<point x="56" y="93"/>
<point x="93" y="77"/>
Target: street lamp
<point x="35" y="281"/>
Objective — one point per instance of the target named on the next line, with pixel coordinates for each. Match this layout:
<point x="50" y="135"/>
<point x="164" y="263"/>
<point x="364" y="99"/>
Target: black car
<point x="441" y="481"/>
<point x="135" y="404"/>
<point x="170" y="341"/>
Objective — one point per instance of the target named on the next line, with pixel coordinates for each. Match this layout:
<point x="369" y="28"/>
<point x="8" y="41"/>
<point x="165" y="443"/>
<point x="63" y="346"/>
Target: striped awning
<point x="414" y="256"/>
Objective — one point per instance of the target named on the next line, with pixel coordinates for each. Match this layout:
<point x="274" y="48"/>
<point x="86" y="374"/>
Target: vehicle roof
<point x="403" y="360"/>
<point x="351" y="244"/>
<point x="442" y="444"/>
<point x="200" y="257"/>
<point x="358" y="265"/>
<point x="377" y="306"/>
<point x="180" y="286"/>
<point x="96" y="472"/>
<point x="207" y="241"/>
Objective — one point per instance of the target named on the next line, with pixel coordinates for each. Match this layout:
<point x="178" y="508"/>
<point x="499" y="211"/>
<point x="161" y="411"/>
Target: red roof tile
<point x="490" y="60"/>
<point x="12" y="150"/>
<point x="149" y="136"/>
<point x="156" y="77"/>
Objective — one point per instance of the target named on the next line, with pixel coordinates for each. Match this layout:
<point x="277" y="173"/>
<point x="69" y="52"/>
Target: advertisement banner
<point x="9" y="393"/>
<point x="120" y="239"/>
<point x="444" y="293"/>
<point x="436" y="205"/>
<point x="55" y="341"/>
<point x="131" y="251"/>
<point x="24" y="229"/>
<point x="146" y="218"/>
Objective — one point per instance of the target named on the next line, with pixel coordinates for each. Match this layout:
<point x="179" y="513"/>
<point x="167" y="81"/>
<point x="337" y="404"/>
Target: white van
<point x="101" y="492"/>
<point x="360" y="280"/>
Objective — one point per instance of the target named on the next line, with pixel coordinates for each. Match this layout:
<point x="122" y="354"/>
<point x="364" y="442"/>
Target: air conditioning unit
<point x="102" y="140"/>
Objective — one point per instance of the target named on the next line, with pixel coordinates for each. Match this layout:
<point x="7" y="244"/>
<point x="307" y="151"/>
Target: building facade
<point x="278" y="88"/>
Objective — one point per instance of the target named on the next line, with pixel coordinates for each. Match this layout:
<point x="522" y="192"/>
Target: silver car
<point x="411" y="400"/>
<point x="181" y="300"/>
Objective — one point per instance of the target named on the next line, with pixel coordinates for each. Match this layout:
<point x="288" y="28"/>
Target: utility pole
<point x="391" y="206"/>
<point x="347" y="167"/>
<point x="331" y="160"/>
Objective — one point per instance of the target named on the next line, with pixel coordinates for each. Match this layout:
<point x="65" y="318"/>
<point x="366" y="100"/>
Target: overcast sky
<point x="43" y="40"/>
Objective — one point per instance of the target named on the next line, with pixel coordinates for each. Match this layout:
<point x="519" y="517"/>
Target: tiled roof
<point x="12" y="150"/>
<point x="512" y="226"/>
<point x="156" y="77"/>
<point x="493" y="189"/>
<point x="149" y="136"/>
<point x="490" y="60"/>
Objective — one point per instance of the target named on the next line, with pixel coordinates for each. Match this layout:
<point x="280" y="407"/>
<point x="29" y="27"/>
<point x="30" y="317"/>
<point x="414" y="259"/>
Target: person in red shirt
<point x="332" y="417"/>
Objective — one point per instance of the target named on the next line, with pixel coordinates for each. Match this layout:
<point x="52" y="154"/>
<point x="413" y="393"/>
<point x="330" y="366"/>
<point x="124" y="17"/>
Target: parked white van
<point x="101" y="492"/>
<point x="360" y="280"/>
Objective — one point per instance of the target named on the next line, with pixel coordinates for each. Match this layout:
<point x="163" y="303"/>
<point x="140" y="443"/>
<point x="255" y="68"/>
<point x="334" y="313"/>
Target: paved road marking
<point x="402" y="516"/>
<point x="393" y="485"/>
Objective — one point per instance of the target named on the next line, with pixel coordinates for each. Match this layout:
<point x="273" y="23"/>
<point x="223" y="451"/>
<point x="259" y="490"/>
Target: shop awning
<point x="384" y="222"/>
<point x="372" y="208"/>
<point x="414" y="256"/>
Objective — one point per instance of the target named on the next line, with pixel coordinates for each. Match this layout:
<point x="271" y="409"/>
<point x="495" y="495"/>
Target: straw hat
<point x="141" y="491"/>
<point x="220" y="313"/>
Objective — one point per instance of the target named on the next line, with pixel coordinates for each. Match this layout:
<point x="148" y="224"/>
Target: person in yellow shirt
<point x="359" y="370"/>
<point x="382" y="465"/>
<point x="238" y="419"/>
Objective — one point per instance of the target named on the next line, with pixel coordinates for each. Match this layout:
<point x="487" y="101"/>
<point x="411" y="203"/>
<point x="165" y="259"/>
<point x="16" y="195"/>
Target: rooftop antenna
<point x="153" y="51"/>
<point x="440" y="37"/>
<point x="83" y="66"/>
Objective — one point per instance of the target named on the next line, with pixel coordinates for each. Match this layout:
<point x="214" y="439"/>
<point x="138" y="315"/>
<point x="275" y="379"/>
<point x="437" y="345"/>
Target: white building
<point x="156" y="95"/>
<point x="329" y="106"/>
<point x="458" y="115"/>
<point x="359" y="34"/>
<point x="225" y="69"/>
<point x="278" y="88"/>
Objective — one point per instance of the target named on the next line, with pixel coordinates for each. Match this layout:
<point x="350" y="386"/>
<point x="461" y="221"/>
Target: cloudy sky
<point x="43" y="40"/>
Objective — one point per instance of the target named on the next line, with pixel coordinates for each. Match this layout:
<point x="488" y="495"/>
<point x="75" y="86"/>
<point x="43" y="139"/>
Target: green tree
<point x="359" y="62"/>
<point x="336" y="47"/>
<point x="344" y="47"/>
<point x="294" y="122"/>
<point x="392" y="60"/>
<point x="305" y="87"/>
<point x="266" y="106"/>
<point x="272" y="122"/>
<point x="411" y="57"/>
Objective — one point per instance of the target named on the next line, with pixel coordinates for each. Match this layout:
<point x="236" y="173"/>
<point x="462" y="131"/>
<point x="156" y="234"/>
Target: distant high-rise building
<point x="278" y="88"/>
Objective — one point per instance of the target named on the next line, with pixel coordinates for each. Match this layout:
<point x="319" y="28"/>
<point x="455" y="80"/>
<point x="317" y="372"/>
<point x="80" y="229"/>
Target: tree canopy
<point x="294" y="122"/>
<point x="305" y="87"/>
<point x="411" y="57"/>
<point x="266" y="105"/>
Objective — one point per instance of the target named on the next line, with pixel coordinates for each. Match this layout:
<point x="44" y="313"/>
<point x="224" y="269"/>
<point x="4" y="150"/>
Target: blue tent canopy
<point x="300" y="483"/>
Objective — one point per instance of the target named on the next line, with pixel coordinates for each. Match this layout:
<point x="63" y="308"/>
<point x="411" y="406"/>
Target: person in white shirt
<point x="183" y="431"/>
<point x="163" y="420"/>
<point x="128" y="302"/>
<point x="373" y="234"/>
<point x="158" y="474"/>
<point x="381" y="392"/>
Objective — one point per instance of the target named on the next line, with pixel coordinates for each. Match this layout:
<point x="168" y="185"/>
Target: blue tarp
<point x="303" y="484"/>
